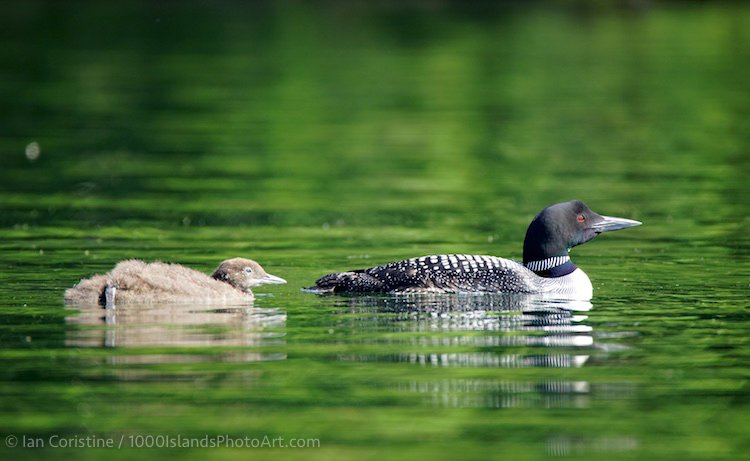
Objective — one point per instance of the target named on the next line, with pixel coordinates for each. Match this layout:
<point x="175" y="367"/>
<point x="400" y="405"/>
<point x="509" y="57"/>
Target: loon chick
<point x="135" y="282"/>
<point x="546" y="269"/>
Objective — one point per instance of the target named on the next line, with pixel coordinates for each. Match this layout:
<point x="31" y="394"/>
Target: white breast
<point x="575" y="285"/>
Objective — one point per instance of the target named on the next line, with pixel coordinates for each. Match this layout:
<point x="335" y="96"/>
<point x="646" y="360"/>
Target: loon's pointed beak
<point x="609" y="223"/>
<point x="268" y="278"/>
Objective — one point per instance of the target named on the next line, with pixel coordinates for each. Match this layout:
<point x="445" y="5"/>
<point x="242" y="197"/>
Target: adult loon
<point x="135" y="282"/>
<point x="546" y="269"/>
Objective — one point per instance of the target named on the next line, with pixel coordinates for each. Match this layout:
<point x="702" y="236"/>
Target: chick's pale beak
<point x="610" y="223"/>
<point x="268" y="278"/>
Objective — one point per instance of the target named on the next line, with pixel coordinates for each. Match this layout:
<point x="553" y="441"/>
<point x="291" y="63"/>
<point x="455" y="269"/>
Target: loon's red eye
<point x="581" y="218"/>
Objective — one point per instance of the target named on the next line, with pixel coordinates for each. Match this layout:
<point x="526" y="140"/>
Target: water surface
<point x="348" y="135"/>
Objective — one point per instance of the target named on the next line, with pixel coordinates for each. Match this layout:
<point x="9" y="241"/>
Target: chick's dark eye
<point x="581" y="218"/>
<point x="248" y="270"/>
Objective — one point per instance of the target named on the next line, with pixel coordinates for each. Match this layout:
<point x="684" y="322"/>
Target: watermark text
<point x="156" y="441"/>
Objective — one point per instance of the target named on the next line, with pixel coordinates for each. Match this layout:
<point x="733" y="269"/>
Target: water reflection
<point x="475" y="321"/>
<point x="507" y="393"/>
<point x="484" y="393"/>
<point x="482" y="331"/>
<point x="228" y="331"/>
<point x="462" y="302"/>
<point x="568" y="445"/>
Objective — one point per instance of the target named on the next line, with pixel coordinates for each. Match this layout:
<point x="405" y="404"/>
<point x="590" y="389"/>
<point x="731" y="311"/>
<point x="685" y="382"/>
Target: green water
<point x="316" y="139"/>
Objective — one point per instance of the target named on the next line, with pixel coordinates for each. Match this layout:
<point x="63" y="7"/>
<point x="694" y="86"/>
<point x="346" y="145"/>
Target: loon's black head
<point x="560" y="227"/>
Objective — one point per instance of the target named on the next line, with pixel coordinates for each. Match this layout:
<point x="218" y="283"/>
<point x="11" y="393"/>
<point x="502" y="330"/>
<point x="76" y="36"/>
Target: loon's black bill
<point x="609" y="223"/>
<point x="272" y="279"/>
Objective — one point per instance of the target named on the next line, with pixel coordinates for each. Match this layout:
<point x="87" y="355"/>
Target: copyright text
<point x="157" y="441"/>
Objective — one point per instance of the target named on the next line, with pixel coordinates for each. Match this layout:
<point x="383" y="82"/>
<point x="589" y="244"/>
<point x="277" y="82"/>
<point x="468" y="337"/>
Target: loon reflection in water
<point x="477" y="331"/>
<point x="546" y="269"/>
<point x="458" y="318"/>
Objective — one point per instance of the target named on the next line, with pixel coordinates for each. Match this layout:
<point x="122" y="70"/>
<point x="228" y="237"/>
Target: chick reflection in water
<point x="174" y="325"/>
<point x="136" y="282"/>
